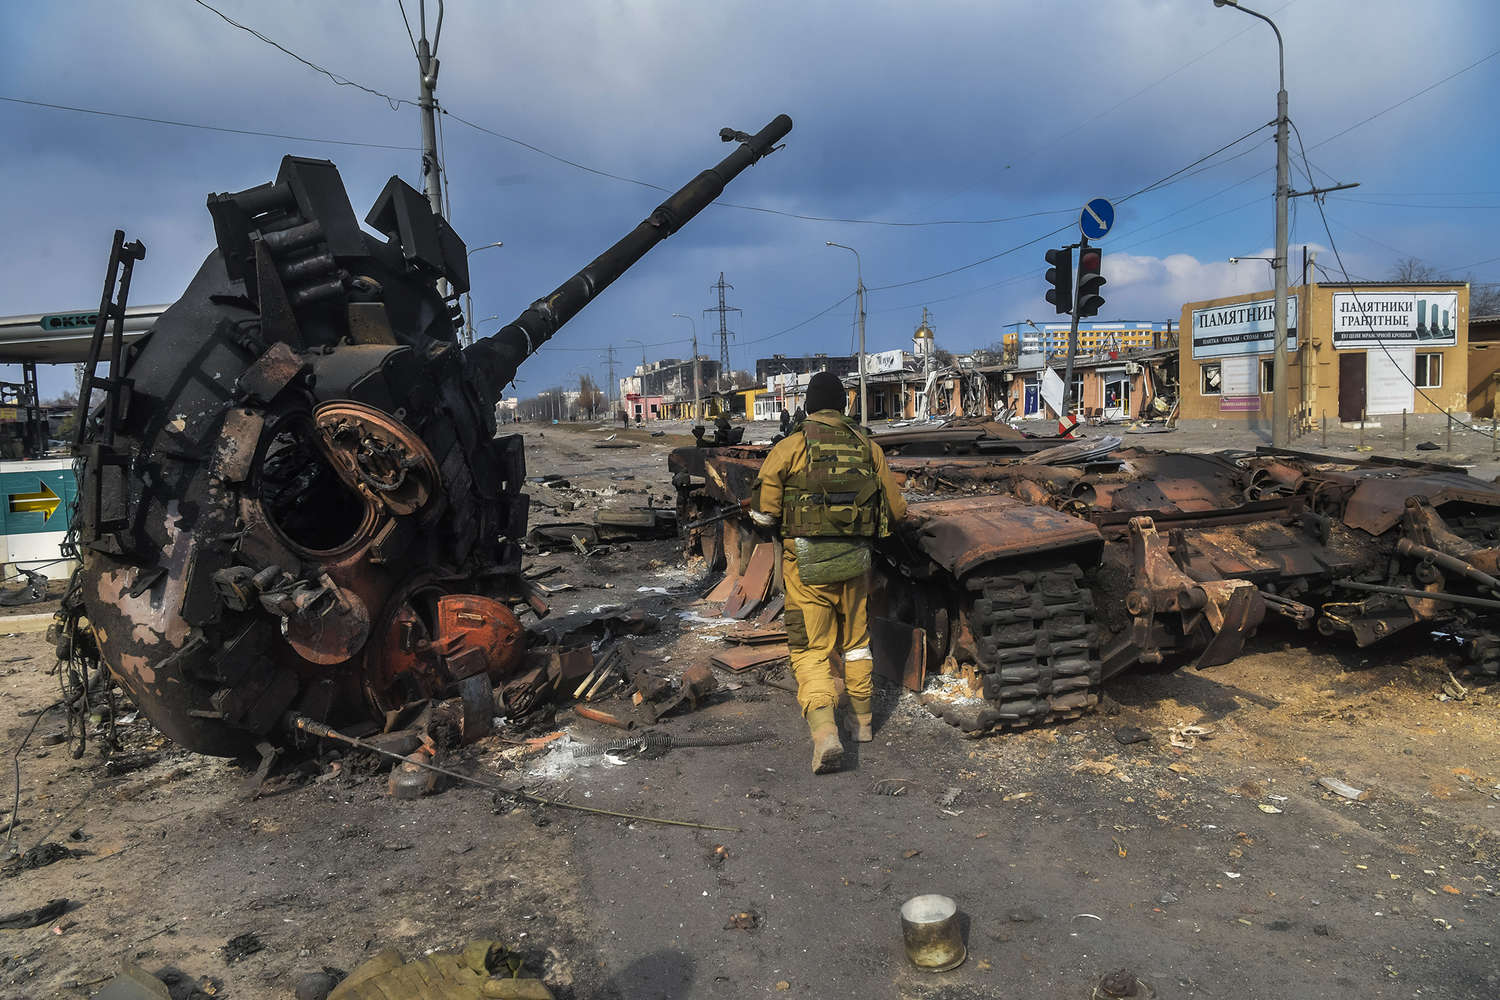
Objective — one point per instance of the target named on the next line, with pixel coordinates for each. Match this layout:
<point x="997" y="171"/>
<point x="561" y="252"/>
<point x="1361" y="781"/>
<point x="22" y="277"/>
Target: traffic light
<point x="1090" y="281"/>
<point x="1060" y="277"/>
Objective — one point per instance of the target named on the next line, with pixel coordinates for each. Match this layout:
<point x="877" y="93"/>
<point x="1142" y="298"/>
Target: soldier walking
<point x="828" y="487"/>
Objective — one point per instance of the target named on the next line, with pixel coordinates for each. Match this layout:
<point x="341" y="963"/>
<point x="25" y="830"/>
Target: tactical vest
<point x="838" y="494"/>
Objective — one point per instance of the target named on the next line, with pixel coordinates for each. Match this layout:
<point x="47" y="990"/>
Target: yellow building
<point x="1353" y="350"/>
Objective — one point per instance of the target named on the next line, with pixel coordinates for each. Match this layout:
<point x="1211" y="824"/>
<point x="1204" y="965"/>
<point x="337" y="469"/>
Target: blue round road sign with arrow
<point x="1097" y="218"/>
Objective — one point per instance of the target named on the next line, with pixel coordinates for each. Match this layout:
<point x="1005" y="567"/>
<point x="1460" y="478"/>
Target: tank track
<point x="1038" y="649"/>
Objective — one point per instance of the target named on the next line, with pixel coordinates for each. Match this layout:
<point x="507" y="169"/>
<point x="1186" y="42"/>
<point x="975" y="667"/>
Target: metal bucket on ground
<point x="934" y="941"/>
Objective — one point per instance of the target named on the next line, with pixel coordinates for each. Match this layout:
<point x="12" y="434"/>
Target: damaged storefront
<point x="1107" y="388"/>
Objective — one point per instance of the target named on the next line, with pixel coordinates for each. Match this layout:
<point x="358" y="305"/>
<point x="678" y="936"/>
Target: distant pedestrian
<point x="786" y="420"/>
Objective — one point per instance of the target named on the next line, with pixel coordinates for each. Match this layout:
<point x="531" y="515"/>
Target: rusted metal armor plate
<point x="1378" y="503"/>
<point x="960" y="535"/>
<point x="486" y="624"/>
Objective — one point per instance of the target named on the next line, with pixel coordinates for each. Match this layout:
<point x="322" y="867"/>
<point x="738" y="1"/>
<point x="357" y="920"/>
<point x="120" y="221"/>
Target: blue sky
<point x="940" y="111"/>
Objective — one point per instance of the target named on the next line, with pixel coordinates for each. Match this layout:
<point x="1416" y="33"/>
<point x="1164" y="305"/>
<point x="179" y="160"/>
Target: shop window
<point x="1212" y="376"/>
<point x="1429" y="371"/>
<point x="1267" y="375"/>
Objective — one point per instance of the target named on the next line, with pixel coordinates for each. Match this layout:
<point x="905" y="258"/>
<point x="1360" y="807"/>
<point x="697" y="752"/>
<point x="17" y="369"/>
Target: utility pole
<point x="723" y="311"/>
<point x="864" y="395"/>
<point x="427" y="66"/>
<point x="609" y="395"/>
<point x="427" y="69"/>
<point x="1281" y="418"/>
<point x="697" y="368"/>
<point x="859" y="308"/>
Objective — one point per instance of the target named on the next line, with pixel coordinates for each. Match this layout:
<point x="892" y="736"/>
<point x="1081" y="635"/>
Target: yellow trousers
<point x="822" y="619"/>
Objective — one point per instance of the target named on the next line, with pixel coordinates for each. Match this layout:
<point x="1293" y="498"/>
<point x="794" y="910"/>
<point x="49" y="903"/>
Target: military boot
<point x="864" y="719"/>
<point x="828" y="752"/>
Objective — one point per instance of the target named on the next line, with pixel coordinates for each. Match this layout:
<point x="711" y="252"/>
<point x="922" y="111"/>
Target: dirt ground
<point x="1221" y="869"/>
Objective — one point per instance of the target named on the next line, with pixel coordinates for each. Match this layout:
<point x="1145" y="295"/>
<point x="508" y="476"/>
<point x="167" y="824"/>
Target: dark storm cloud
<point x="942" y="110"/>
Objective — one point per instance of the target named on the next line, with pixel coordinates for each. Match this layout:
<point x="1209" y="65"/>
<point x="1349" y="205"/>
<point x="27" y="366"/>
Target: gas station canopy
<point x="62" y="338"/>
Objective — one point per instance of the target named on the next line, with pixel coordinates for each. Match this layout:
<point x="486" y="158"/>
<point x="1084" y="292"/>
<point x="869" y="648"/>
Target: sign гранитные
<point x="1423" y="319"/>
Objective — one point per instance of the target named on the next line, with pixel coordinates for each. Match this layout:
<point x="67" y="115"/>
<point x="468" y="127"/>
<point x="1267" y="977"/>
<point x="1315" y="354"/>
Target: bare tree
<point x="1414" y="269"/>
<point x="1484" y="297"/>
<point x="591" y="401"/>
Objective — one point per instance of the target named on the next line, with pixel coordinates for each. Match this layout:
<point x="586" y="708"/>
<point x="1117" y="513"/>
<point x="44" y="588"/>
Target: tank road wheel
<point x="1038" y="650"/>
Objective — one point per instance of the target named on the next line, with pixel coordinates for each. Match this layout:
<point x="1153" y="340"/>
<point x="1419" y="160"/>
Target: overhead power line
<point x="797" y="326"/>
<point x="1380" y="342"/>
<point x="1154" y="185"/>
<point x="1056" y="140"/>
<point x="1409" y="204"/>
<point x="342" y="81"/>
<point x="1405" y="100"/>
<point x="396" y="102"/>
<point x="407" y="21"/>
<point x="1157" y="185"/>
<point x="972" y="264"/>
<point x="200" y="125"/>
<point x="746" y="208"/>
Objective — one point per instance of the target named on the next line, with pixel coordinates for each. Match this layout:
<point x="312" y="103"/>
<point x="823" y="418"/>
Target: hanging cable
<point x="1339" y="259"/>
<point x="1407" y="100"/>
<point x="443" y="169"/>
<point x="199" y="125"/>
<point x="407" y="21"/>
<point x="342" y="81"/>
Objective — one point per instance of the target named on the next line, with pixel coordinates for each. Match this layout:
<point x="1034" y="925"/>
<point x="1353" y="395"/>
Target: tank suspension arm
<point x="493" y="361"/>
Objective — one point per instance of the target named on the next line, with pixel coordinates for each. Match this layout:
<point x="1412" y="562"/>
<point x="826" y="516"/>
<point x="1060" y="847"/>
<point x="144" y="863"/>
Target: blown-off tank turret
<point x="294" y="498"/>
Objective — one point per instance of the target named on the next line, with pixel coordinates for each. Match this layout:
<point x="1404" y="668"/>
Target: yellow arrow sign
<point x="43" y="500"/>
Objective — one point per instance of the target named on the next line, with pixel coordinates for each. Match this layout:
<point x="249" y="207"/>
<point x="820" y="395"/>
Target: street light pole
<point x="469" y="297"/>
<point x="697" y="415"/>
<point x="859" y="305"/>
<point x="1281" y="419"/>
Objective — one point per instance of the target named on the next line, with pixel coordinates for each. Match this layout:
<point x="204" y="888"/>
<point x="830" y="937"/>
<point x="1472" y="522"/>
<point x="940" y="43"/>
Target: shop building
<point x="1104" y="388"/>
<point x="780" y="364"/>
<point x="1354" y="351"/>
<point x="1484" y="365"/>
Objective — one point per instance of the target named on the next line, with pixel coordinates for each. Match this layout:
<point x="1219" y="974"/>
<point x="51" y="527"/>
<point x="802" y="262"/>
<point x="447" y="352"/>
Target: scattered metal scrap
<point x="743" y="658"/>
<point x="33" y="916"/>
<point x="33" y="591"/>
<point x="40" y="856"/>
<point x="1041" y="567"/>
<point x="321" y="731"/>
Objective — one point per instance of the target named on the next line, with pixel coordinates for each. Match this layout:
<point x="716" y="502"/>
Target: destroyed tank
<point x="1042" y="567"/>
<point x="293" y="498"/>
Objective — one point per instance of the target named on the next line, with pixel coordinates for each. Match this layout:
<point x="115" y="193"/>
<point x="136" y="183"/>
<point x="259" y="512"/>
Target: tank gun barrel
<point x="493" y="361"/>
